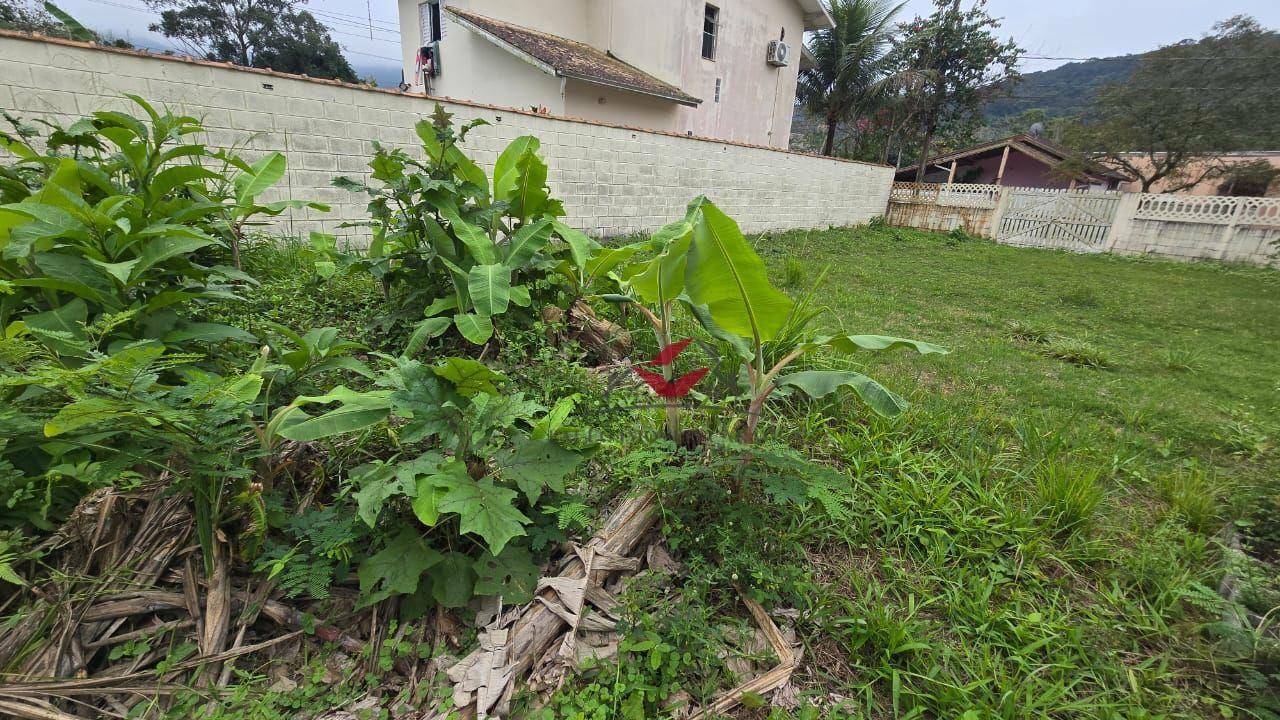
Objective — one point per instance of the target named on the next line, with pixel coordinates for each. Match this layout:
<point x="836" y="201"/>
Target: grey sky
<point x="1102" y="28"/>
<point x="1070" y="28"/>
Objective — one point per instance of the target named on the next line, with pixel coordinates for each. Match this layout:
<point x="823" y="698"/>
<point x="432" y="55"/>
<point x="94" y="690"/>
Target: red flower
<point x="669" y="353"/>
<point x="677" y="388"/>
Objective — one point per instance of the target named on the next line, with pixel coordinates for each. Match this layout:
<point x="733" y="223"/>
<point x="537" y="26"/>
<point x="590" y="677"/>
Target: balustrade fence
<point x="1189" y="227"/>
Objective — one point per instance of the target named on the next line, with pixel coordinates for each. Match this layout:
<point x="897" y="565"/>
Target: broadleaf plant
<point x="499" y="454"/>
<point x="454" y="250"/>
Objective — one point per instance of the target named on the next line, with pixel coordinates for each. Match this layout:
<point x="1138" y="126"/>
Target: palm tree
<point x="849" y="62"/>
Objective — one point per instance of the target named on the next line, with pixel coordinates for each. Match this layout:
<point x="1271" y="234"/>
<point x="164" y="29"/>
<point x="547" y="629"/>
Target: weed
<point x="1240" y="434"/>
<point x="1181" y="359"/>
<point x="1078" y="352"/>
<point x="1194" y="494"/>
<point x="1029" y="332"/>
<point x="1067" y="496"/>
<point x="795" y="273"/>
<point x="1081" y="296"/>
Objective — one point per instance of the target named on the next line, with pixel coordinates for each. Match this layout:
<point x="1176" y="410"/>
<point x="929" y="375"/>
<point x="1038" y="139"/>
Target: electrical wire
<point x="1149" y="56"/>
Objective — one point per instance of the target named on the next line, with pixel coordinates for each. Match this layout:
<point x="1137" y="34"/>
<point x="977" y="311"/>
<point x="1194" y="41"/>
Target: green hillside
<point x="1064" y="90"/>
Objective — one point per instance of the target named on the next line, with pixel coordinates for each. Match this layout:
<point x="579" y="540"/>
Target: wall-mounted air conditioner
<point x="779" y="53"/>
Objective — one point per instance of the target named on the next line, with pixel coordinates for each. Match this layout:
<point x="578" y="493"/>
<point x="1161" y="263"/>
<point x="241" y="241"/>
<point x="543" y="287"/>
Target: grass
<point x="1037" y="537"/>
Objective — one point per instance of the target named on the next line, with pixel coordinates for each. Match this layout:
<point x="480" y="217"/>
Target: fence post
<point x="1122" y="222"/>
<point x="1229" y="232"/>
<point x="1002" y="203"/>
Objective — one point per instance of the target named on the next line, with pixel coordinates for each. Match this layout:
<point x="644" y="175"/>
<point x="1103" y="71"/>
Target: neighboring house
<point x="725" y="69"/>
<point x="1220" y="180"/>
<point x="1017" y="161"/>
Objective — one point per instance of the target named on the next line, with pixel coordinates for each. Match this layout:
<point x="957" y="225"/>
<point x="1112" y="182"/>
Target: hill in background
<point x="1065" y="90"/>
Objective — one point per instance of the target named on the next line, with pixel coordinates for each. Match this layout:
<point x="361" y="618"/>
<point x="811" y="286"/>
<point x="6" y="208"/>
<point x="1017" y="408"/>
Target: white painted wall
<point x="472" y="68"/>
<point x="661" y="37"/>
<point x="613" y="180"/>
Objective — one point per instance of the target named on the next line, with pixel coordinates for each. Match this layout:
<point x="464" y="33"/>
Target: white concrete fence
<point x="1184" y="227"/>
<point x="614" y="180"/>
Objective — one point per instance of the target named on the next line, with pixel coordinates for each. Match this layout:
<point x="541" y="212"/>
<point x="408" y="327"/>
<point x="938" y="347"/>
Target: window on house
<point x="430" y="16"/>
<point x="717" y="89"/>
<point x="710" y="23"/>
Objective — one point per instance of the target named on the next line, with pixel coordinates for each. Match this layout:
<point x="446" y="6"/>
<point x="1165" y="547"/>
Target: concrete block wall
<point x="614" y="180"/>
<point x="1255" y="245"/>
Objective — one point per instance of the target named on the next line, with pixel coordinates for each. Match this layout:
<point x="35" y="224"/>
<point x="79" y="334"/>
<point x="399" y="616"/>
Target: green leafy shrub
<point x="504" y="453"/>
<point x="448" y="244"/>
<point x="124" y="218"/>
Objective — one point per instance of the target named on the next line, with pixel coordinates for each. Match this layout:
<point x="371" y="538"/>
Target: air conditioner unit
<point x="779" y="52"/>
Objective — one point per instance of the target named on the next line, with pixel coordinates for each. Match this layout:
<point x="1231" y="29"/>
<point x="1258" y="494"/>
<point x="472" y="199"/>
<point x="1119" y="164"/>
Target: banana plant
<point x="705" y="264"/>
<point x="238" y="197"/>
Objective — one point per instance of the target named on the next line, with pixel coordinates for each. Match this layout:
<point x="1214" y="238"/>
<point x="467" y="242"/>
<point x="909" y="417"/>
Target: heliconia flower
<point x="669" y="353"/>
<point x="677" y="388"/>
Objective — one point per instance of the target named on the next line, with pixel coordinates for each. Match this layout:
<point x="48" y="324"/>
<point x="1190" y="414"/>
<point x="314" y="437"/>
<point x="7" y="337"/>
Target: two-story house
<point x="725" y="69"/>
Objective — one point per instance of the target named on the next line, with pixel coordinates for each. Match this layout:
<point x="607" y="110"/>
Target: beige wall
<point x="614" y="180"/>
<point x="1208" y="186"/>
<point x="474" y="69"/>
<point x="661" y="37"/>
<point x="596" y="102"/>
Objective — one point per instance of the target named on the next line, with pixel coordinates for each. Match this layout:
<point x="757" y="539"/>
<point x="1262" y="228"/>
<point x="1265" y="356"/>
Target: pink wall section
<point x="1020" y="171"/>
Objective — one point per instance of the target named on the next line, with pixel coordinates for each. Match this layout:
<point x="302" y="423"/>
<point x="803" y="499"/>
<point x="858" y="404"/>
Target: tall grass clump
<point x="1067" y="496"/>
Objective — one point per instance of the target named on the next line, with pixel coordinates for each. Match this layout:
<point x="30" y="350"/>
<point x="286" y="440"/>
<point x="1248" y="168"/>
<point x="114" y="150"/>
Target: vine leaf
<point x="469" y="377"/>
<point x="453" y="580"/>
<point x="512" y="574"/>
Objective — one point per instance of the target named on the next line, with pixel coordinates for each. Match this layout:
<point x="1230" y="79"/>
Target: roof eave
<point x="512" y="49"/>
<point x="556" y="72"/>
<point x="816" y="15"/>
<point x="689" y="101"/>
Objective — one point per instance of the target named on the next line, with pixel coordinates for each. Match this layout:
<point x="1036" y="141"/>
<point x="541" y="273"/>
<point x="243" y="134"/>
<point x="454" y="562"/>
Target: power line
<point x="1149" y="56"/>
<point x="380" y="57"/>
<point x="362" y="24"/>
<point x="361" y="18"/>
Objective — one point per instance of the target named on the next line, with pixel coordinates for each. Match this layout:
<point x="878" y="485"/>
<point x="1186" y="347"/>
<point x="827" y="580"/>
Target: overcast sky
<point x="1055" y="28"/>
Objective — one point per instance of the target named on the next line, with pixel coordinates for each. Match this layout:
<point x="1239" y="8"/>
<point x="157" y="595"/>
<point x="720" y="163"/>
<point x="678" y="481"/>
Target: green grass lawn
<point x="1191" y="352"/>
<point x="1038" y="537"/>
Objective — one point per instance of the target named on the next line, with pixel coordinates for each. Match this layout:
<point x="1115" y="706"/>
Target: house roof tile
<point x="570" y="58"/>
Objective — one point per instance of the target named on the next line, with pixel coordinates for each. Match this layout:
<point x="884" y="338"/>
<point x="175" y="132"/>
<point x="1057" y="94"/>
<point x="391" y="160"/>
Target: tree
<point x="50" y="20"/>
<point x="849" y="62"/>
<point x="1248" y="179"/>
<point x="955" y="63"/>
<point x="272" y="34"/>
<point x="1185" y="104"/>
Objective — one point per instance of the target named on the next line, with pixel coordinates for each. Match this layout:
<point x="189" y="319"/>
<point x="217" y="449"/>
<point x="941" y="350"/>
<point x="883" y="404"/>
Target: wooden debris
<point x="555" y="614"/>
<point x="761" y="684"/>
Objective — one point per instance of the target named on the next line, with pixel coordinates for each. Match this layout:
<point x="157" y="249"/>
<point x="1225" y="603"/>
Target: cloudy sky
<point x="1046" y="28"/>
